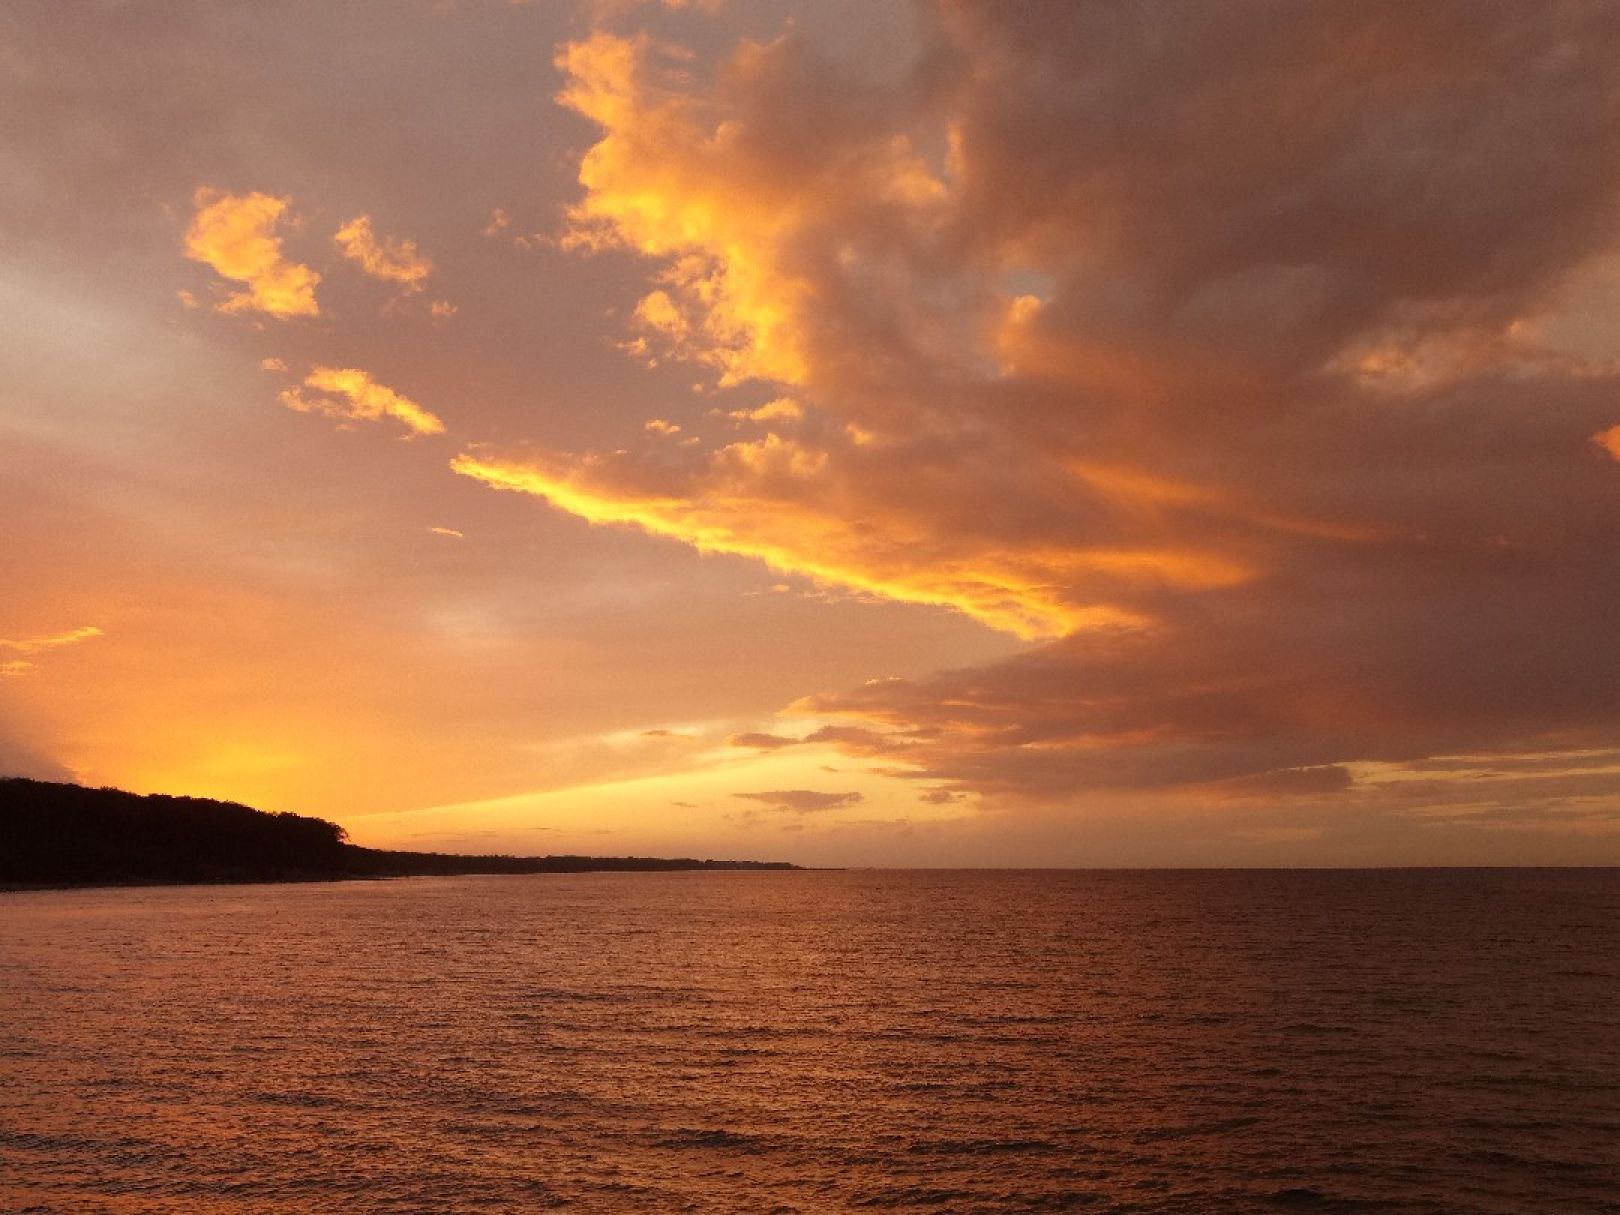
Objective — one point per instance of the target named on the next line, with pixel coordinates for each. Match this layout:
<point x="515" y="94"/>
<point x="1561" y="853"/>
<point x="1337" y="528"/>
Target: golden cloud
<point x="782" y="409"/>
<point x="723" y="297"/>
<point x="235" y="235"/>
<point x="1026" y="594"/>
<point x="354" y="395"/>
<point x="676" y="177"/>
<point x="390" y="259"/>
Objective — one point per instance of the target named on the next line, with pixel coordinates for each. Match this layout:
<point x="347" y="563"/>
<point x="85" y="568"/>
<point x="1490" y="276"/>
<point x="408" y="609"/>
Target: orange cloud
<point x="390" y="259"/>
<point x="354" y="395"/>
<point x="235" y="235"/>
<point x="1609" y="441"/>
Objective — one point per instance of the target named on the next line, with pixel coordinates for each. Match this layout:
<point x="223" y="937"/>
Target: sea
<point x="1436" y="1041"/>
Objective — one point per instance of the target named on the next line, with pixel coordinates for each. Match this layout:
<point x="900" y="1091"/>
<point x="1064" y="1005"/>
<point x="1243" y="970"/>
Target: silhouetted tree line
<point x="67" y="833"/>
<point x="56" y="834"/>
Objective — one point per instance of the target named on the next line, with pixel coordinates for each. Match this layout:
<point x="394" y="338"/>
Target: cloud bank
<point x="1214" y="350"/>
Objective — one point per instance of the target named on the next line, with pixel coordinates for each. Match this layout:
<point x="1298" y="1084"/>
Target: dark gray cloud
<point x="802" y="801"/>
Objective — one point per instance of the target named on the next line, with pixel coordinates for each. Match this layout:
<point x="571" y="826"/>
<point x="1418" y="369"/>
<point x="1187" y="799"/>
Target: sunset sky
<point x="846" y="432"/>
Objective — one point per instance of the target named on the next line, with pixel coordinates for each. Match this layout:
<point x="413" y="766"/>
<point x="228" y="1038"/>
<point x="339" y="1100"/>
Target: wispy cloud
<point x="32" y="646"/>
<point x="353" y="395"/>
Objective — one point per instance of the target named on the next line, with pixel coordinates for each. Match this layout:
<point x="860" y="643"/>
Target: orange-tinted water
<point x="817" y="1042"/>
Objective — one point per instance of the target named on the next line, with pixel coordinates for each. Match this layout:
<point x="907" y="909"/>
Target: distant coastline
<point x="61" y="835"/>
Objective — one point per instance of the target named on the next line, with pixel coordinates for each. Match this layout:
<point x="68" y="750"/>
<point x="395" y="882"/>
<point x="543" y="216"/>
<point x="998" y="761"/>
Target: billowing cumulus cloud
<point x="1206" y="348"/>
<point x="352" y="394"/>
<point x="802" y="801"/>
<point x="235" y="235"/>
<point x="388" y="258"/>
<point x="679" y="177"/>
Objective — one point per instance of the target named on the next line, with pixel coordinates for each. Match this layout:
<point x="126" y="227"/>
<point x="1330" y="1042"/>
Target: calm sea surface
<point x="817" y="1042"/>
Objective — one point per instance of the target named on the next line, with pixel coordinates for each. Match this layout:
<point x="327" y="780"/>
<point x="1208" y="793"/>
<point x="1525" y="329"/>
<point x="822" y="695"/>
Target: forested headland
<point x="68" y="835"/>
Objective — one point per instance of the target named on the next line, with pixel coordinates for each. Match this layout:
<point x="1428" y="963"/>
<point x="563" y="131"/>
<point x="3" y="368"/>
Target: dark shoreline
<point x="61" y="836"/>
